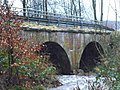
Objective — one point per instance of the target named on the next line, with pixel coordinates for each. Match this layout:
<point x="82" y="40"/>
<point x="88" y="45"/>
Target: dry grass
<point x="55" y="27"/>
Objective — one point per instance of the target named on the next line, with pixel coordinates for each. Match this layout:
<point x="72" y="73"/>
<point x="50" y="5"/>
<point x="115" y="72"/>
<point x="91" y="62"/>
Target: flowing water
<point x="71" y="82"/>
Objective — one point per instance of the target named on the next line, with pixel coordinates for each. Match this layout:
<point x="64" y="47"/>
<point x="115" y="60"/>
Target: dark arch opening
<point x="58" y="57"/>
<point x="91" y="56"/>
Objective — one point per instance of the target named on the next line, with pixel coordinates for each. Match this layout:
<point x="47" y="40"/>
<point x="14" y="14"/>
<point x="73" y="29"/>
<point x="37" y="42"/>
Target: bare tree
<point x="74" y="7"/>
<point x="68" y="7"/>
<point x="94" y="9"/>
<point x="24" y="7"/>
<point x="101" y="18"/>
<point x="71" y="7"/>
<point x="45" y="9"/>
<point x="79" y="1"/>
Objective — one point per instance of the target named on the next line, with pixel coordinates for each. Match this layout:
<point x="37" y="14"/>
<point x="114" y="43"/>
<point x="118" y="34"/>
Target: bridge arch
<point x="91" y="56"/>
<point x="58" y="57"/>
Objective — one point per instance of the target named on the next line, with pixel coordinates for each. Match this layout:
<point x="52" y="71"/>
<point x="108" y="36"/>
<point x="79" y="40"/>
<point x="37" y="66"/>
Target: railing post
<point x="58" y="21"/>
<point x="81" y="25"/>
<point x="27" y="11"/>
<point x="48" y="18"/>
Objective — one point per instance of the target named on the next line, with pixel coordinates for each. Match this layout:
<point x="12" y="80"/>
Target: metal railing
<point x="30" y="14"/>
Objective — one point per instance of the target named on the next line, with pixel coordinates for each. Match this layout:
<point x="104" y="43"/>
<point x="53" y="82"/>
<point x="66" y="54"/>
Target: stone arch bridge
<point x="70" y="49"/>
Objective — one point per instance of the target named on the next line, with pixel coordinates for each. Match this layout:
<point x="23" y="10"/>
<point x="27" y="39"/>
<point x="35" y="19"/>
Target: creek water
<point x="70" y="82"/>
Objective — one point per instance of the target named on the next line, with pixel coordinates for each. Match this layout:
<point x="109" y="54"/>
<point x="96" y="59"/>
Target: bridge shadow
<point x="91" y="56"/>
<point x="58" y="57"/>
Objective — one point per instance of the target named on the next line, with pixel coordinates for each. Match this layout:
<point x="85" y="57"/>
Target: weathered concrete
<point x="73" y="42"/>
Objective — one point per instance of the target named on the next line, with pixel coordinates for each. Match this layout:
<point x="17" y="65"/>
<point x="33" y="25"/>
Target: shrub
<point x="110" y="68"/>
<point x="18" y="59"/>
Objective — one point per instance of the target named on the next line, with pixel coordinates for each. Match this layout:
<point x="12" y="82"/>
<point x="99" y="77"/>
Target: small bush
<point x="16" y="87"/>
<point x="18" y="60"/>
<point x="40" y="87"/>
<point x="110" y="68"/>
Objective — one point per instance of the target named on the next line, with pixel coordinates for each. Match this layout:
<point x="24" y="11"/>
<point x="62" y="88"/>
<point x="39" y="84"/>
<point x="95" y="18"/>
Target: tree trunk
<point x="101" y="18"/>
<point x="79" y="1"/>
<point x="46" y="8"/>
<point x="75" y="10"/>
<point x="24" y="8"/>
<point x="71" y="8"/>
<point x="94" y="9"/>
<point x="43" y="5"/>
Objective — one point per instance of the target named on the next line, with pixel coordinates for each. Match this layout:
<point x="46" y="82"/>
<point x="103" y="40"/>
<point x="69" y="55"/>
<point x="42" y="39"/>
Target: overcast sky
<point x="108" y="13"/>
<point x="109" y="8"/>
